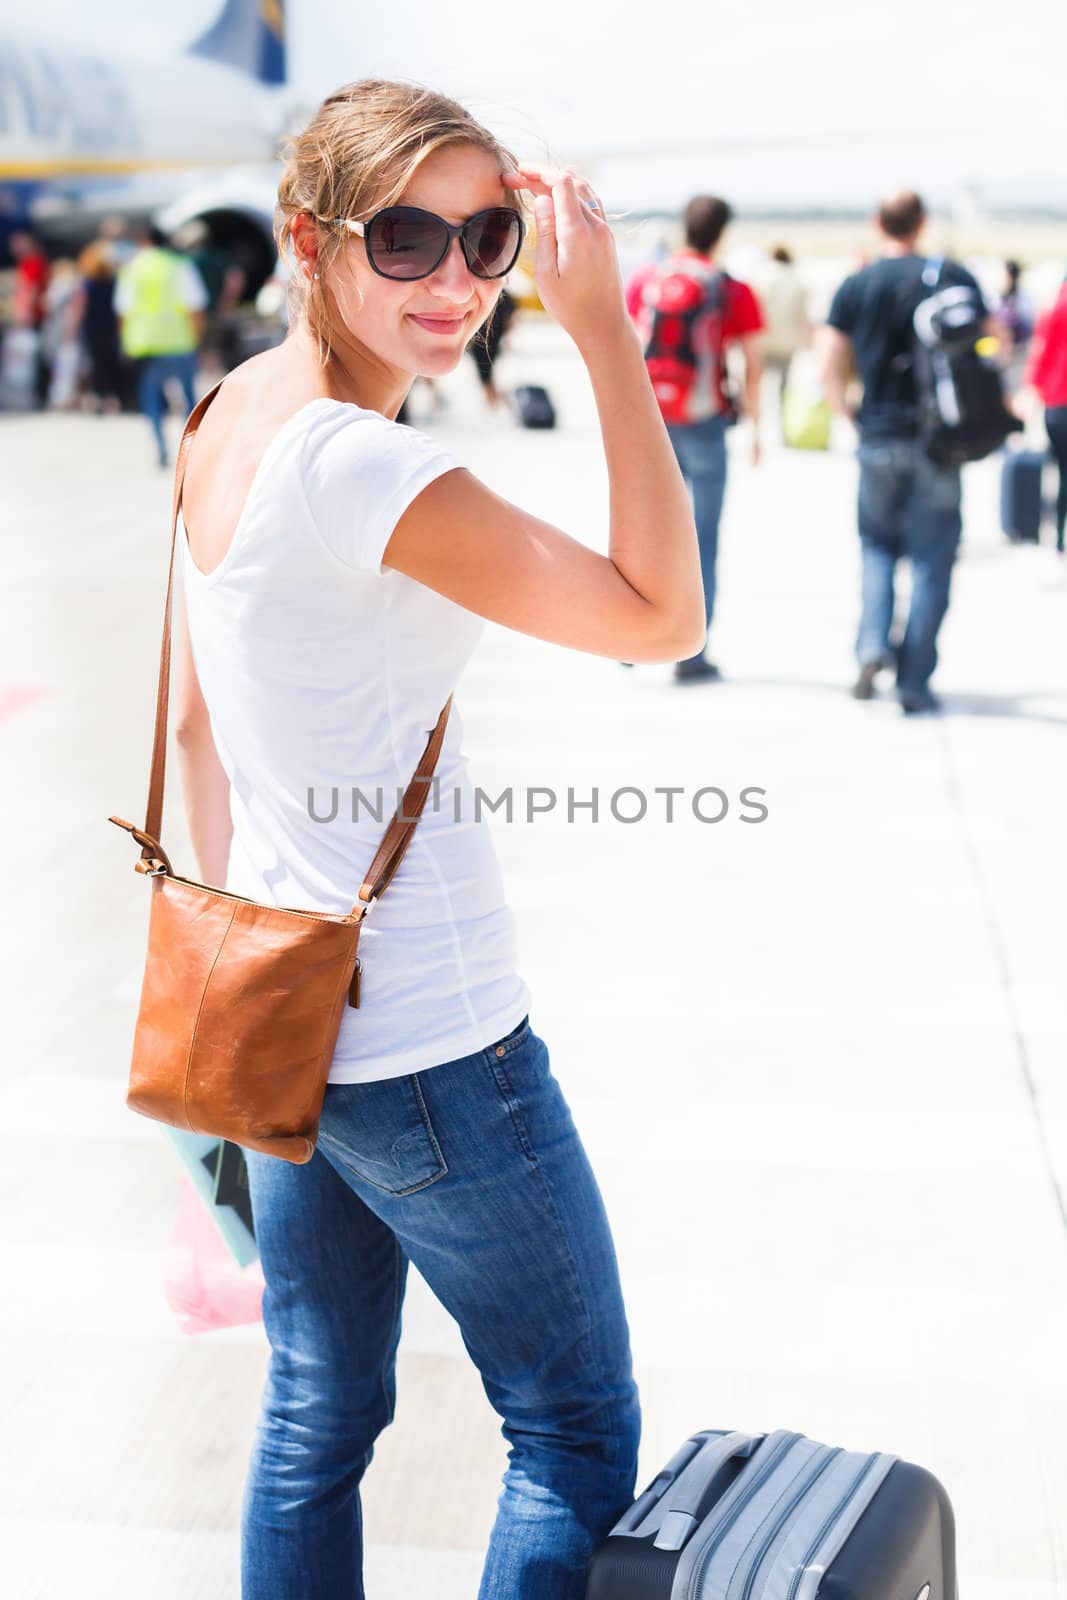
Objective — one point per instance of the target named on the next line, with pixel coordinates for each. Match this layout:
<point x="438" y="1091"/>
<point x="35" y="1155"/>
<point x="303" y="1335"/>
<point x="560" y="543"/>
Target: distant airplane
<point x="194" y="136"/>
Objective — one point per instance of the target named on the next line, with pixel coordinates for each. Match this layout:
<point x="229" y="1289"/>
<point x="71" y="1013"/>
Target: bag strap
<point x="405" y="819"/>
<point x="932" y="270"/>
<point x="401" y="829"/>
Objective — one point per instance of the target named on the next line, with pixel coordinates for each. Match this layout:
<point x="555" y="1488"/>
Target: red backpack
<point x="680" y="323"/>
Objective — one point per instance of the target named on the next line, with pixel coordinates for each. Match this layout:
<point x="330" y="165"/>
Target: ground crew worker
<point x="160" y="299"/>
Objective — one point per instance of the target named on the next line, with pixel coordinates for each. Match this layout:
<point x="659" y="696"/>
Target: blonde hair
<point x="360" y="151"/>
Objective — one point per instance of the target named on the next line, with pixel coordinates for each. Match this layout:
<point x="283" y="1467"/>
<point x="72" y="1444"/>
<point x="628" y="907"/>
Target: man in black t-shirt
<point x="909" y="507"/>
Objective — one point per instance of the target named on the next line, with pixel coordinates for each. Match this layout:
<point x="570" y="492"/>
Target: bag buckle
<point x="368" y="906"/>
<point x="152" y="864"/>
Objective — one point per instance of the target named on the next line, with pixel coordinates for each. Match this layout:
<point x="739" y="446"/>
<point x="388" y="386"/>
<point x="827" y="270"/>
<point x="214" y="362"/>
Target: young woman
<point x="336" y="567"/>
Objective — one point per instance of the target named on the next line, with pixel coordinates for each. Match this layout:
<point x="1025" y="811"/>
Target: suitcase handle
<point x="630" y="1520"/>
<point x="683" y="1503"/>
<point x="672" y="1500"/>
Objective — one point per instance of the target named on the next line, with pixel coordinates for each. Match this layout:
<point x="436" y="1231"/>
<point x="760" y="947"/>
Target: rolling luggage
<point x="1020" y="495"/>
<point x="739" y="1516"/>
<point x="534" y="406"/>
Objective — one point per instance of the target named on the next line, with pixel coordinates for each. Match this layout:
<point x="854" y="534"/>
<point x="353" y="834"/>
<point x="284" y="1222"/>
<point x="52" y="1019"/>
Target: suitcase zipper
<point x="693" y="1591"/>
<point x="831" y="1518"/>
<point x="809" y="1476"/>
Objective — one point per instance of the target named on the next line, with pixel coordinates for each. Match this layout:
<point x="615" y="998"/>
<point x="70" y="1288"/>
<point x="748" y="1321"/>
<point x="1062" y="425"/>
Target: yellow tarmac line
<point x="91" y="166"/>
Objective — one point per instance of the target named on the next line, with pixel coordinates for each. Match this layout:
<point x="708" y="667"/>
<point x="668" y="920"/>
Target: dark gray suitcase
<point x="738" y="1516"/>
<point x="1020" y="495"/>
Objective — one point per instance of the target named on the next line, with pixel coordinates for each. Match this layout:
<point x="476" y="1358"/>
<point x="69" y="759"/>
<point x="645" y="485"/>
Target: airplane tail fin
<point x="248" y="35"/>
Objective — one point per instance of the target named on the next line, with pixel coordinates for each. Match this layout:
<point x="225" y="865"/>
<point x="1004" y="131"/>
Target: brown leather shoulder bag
<point x="241" y="1003"/>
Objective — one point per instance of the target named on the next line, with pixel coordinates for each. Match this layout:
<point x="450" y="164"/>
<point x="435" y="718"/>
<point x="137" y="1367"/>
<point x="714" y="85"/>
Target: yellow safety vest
<point x="157" y="322"/>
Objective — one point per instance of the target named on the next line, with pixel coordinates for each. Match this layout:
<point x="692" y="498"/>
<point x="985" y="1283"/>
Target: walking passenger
<point x="784" y="300"/>
<point x="1047" y="373"/>
<point x="100" y="326"/>
<point x="909" y="505"/>
<point x="64" y="305"/>
<point x="28" y="309"/>
<point x="689" y="312"/>
<point x="485" y="347"/>
<point x="1015" y="318"/>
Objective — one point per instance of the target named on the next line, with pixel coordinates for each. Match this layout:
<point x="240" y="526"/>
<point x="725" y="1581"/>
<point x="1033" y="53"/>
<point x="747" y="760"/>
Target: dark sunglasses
<point x="404" y="242"/>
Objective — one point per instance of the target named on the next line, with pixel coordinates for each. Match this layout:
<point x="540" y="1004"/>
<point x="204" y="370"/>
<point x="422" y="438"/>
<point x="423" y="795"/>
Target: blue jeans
<point x="473" y="1171"/>
<point x="701" y="451"/>
<point x="908" y="508"/>
<point x="156" y="373"/>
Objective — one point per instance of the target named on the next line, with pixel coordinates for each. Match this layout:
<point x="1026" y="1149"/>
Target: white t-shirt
<point x="323" y="670"/>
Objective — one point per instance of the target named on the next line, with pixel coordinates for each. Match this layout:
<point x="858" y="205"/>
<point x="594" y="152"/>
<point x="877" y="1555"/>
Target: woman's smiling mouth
<point x="436" y="324"/>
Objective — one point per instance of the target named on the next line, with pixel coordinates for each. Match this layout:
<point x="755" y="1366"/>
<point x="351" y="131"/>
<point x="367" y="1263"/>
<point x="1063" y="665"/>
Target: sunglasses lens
<point x="407" y="245"/>
<point x="492" y="241"/>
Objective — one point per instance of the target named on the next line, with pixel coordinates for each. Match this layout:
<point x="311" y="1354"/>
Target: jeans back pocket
<point x="382" y="1132"/>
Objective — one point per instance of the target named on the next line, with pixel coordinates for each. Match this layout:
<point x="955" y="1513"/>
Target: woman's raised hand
<point x="576" y="269"/>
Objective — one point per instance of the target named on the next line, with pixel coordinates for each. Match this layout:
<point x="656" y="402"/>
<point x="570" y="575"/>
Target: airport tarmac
<point x="817" y="1061"/>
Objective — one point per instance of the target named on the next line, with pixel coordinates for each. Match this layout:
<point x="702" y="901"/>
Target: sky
<point x="777" y="103"/>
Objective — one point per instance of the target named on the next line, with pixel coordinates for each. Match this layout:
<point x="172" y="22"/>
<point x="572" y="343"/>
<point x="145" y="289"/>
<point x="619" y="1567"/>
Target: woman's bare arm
<point x="204" y="782"/>
<point x="644" y="600"/>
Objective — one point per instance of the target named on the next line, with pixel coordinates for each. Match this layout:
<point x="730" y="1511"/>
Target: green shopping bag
<point x="806" y="421"/>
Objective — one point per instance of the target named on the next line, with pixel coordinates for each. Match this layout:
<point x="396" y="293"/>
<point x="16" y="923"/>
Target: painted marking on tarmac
<point x="14" y="699"/>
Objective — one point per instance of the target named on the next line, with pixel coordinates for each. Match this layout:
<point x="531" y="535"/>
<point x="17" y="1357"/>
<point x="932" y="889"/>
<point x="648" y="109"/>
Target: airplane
<point x="85" y="136"/>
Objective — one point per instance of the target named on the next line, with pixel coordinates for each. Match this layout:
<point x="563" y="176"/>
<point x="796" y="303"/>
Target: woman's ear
<point x="305" y="239"/>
